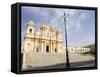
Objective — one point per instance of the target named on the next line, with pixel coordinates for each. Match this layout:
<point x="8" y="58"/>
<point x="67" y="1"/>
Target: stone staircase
<point x="44" y="59"/>
<point x="48" y="59"/>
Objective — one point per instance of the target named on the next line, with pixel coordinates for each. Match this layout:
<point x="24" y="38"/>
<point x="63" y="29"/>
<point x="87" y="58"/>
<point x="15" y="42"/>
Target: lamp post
<point x="67" y="56"/>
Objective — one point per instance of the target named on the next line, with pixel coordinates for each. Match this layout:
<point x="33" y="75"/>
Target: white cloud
<point x="82" y="16"/>
<point x="79" y="22"/>
<point x="78" y="26"/>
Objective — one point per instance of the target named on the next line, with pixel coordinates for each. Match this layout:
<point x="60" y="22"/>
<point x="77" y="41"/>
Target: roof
<point x="31" y="23"/>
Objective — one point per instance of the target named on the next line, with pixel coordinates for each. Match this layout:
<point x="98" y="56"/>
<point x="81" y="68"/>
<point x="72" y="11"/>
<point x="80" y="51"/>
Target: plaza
<point x="46" y="48"/>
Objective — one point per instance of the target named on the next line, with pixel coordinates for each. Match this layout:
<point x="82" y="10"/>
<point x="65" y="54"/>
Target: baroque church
<point x="46" y="40"/>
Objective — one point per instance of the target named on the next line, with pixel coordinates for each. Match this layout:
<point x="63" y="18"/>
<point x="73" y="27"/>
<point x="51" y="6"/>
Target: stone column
<point x="41" y="46"/>
<point x="57" y="47"/>
<point x="45" y="46"/>
<point x="53" y="47"/>
<point x="34" y="45"/>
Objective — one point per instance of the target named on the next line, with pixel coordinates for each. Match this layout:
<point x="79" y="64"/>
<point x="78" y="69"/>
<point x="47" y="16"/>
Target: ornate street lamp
<point x="67" y="56"/>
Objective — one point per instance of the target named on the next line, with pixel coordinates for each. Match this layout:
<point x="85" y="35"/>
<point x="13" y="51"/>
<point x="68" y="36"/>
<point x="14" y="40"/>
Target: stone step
<point x="44" y="59"/>
<point x="49" y="59"/>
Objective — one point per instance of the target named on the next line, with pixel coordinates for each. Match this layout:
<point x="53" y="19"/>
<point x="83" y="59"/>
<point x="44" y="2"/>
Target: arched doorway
<point x="55" y="50"/>
<point x="47" y="48"/>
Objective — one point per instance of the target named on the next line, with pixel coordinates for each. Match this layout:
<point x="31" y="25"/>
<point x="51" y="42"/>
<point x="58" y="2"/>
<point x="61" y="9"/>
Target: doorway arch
<point x="47" y="48"/>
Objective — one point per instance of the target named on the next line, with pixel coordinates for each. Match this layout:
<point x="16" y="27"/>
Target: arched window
<point x="30" y="30"/>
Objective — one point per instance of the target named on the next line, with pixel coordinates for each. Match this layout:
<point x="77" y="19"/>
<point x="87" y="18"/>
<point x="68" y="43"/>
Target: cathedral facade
<point x="46" y="40"/>
<point x="41" y="46"/>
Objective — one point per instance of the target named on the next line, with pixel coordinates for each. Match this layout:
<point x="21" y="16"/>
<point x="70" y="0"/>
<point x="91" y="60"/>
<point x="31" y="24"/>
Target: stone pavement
<point x="37" y="60"/>
<point x="77" y="57"/>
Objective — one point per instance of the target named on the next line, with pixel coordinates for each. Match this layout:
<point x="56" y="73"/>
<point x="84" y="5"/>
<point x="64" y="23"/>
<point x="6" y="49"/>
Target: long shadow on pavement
<point x="90" y="63"/>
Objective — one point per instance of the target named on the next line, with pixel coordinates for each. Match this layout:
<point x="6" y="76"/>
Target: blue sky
<point x="80" y="23"/>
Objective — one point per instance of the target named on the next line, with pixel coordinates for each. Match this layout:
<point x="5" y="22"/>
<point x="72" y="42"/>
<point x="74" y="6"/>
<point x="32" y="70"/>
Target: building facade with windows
<point x="46" y="40"/>
<point x="80" y="49"/>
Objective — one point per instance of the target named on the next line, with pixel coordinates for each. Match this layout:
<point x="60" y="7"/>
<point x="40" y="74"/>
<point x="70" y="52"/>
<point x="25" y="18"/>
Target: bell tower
<point x="30" y="27"/>
<point x="28" y="42"/>
<point x="59" y="41"/>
